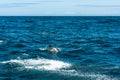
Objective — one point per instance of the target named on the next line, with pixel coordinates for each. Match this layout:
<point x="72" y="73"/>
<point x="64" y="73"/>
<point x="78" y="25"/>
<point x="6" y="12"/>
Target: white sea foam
<point x="88" y="76"/>
<point x="94" y="76"/>
<point x="1" y="41"/>
<point x="25" y="54"/>
<point x="41" y="64"/>
<point x="42" y="49"/>
<point x="56" y="66"/>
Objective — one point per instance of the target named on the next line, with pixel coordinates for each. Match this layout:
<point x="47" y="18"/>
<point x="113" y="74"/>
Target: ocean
<point x="90" y="48"/>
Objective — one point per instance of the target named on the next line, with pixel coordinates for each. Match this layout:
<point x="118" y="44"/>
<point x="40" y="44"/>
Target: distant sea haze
<point x="90" y="48"/>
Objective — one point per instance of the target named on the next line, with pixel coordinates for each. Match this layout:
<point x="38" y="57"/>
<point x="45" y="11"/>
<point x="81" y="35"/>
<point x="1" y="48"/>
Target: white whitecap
<point x="42" y="49"/>
<point x="41" y="64"/>
<point x="1" y="41"/>
<point x="58" y="67"/>
<point x="25" y="54"/>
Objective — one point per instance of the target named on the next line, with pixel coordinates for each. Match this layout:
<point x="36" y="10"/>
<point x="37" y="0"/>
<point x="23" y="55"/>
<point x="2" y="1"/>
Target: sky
<point x="60" y="8"/>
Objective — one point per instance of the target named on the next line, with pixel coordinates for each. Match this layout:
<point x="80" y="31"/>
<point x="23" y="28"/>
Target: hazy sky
<point x="59" y="7"/>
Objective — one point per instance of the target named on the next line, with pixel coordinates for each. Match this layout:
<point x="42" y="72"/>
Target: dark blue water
<point x="90" y="48"/>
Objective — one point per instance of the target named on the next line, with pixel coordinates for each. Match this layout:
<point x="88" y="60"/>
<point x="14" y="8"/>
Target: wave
<point x="53" y="67"/>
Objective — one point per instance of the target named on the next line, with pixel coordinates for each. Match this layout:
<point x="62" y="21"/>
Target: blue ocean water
<point x="90" y="48"/>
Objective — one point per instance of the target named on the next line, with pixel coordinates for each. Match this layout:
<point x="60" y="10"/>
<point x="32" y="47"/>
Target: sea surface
<point x="90" y="48"/>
